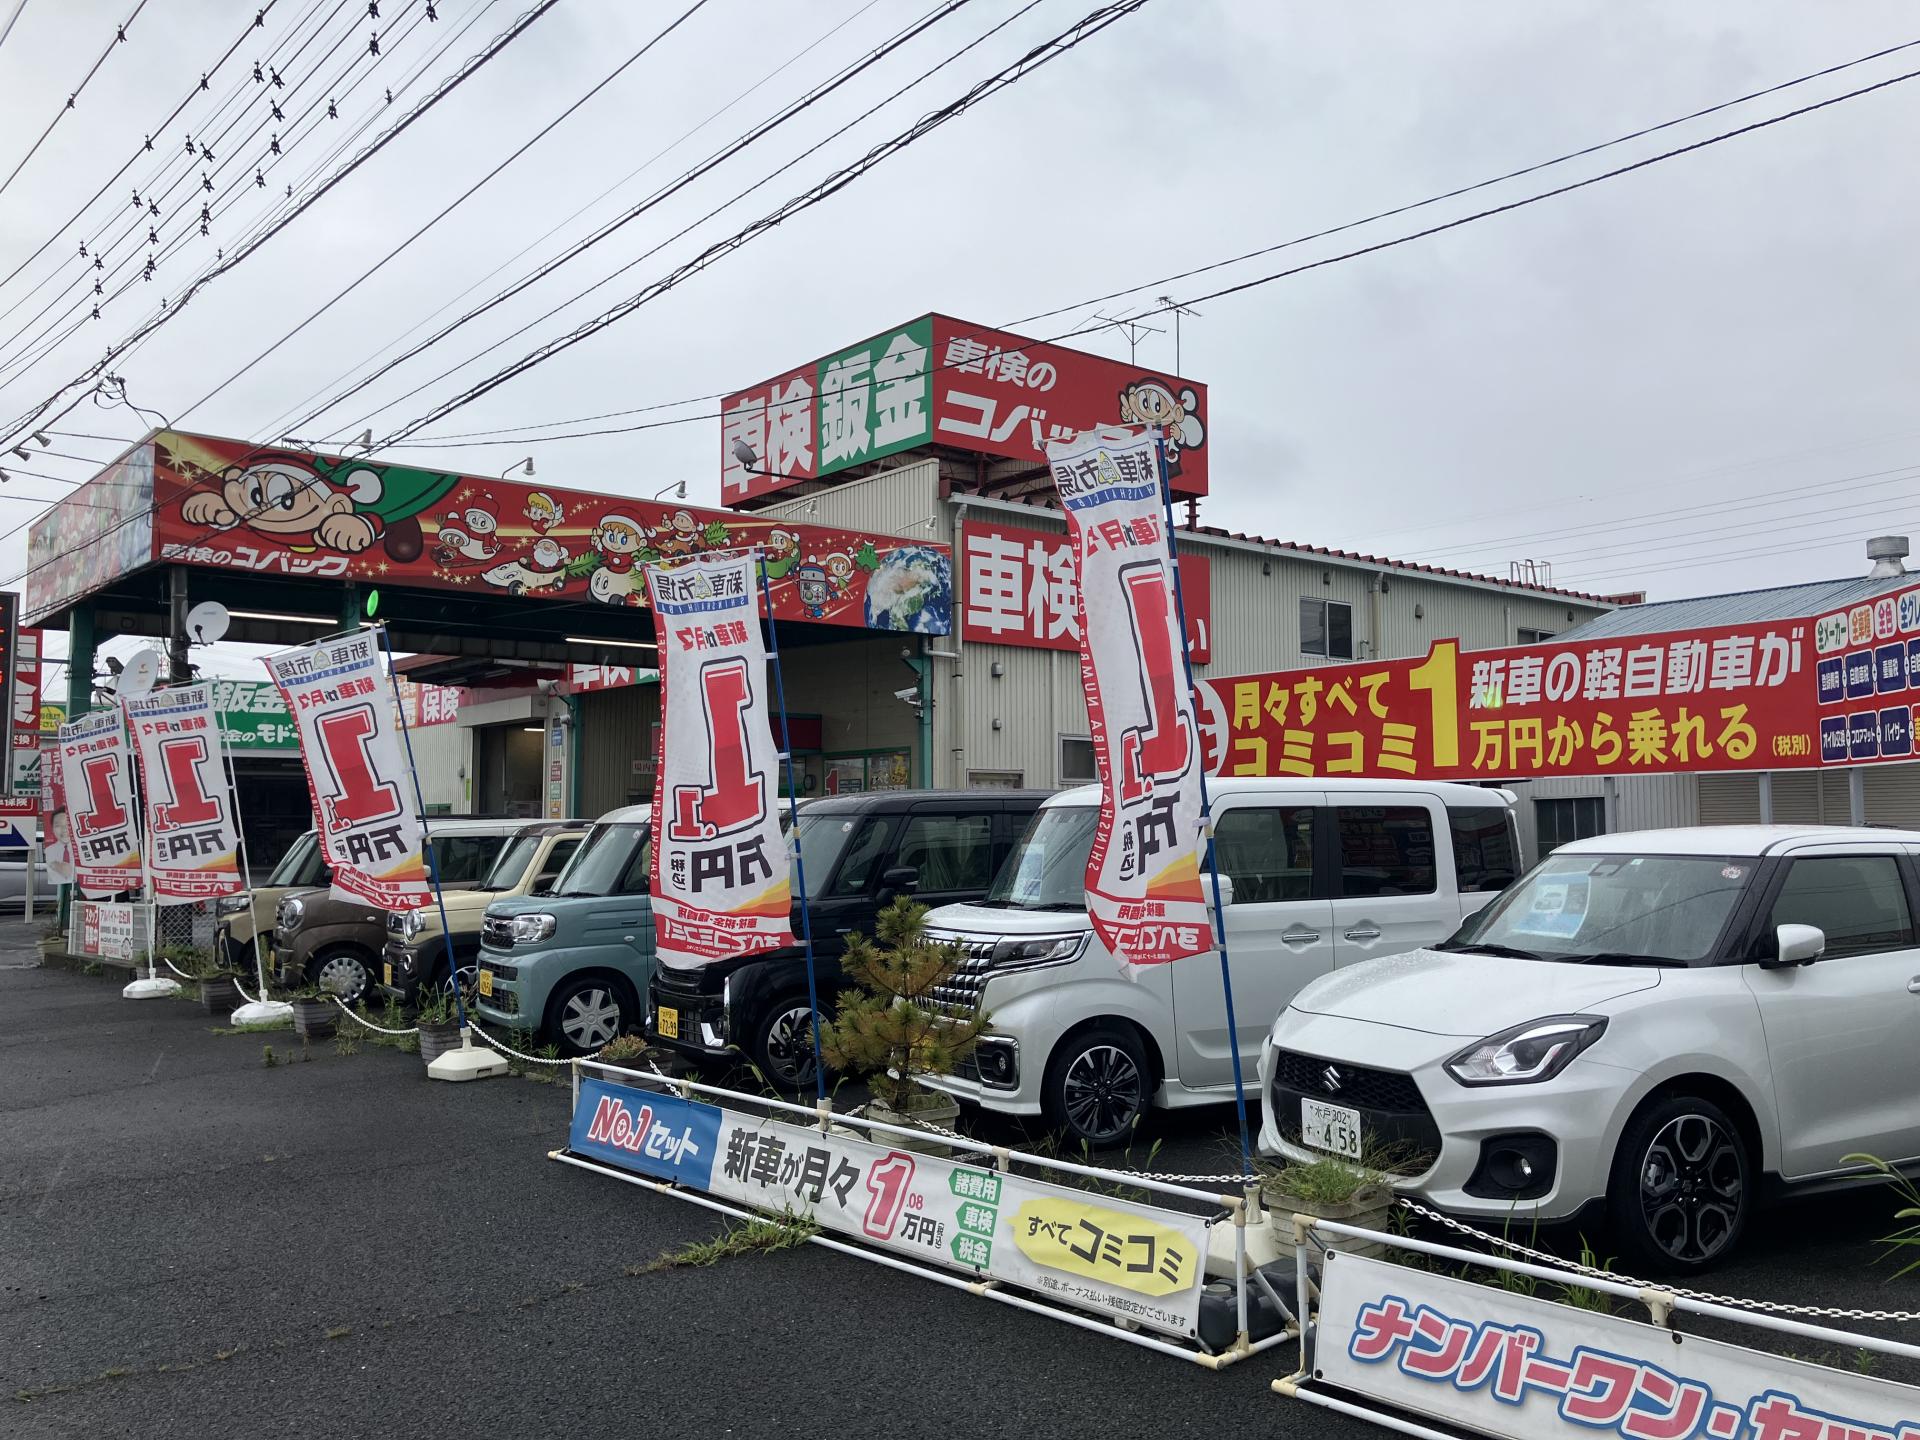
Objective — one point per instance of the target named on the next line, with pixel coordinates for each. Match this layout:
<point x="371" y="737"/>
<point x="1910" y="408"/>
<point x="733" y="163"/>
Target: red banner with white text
<point x="193" y="839"/>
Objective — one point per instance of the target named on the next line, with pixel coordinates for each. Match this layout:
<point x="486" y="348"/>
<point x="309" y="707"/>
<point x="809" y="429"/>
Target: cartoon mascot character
<point x="1153" y="402"/>
<point x="618" y="538"/>
<point x="308" y="503"/>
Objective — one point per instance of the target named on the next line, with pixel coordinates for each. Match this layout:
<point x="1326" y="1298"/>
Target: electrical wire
<point x="7" y="29"/>
<point x="119" y="38"/>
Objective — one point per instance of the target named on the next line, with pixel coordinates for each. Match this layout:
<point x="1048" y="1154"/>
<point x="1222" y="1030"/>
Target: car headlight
<point x="232" y="904"/>
<point x="1014" y="953"/>
<point x="292" y="910"/>
<point x="1526" y="1054"/>
<point x="531" y="929"/>
<point x="412" y="922"/>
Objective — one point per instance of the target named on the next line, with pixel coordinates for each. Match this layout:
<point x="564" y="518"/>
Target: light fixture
<point x="745" y="454"/>
<point x="533" y="729"/>
<point x="276" y="615"/>
<point x="525" y="467"/>
<point x="365" y="442"/>
<point x="596" y="640"/>
<point x="41" y="436"/>
<point x="812" y="507"/>
<point x="4" y="477"/>
<point x="680" y="489"/>
<point x="22" y="452"/>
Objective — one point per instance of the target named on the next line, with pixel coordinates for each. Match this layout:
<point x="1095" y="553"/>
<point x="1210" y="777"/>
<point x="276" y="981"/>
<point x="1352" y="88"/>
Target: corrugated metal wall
<point x="849" y="684"/>
<point x="1641" y="802"/>
<point x="616" y="730"/>
<point x="895" y="502"/>
<point x="440" y="754"/>
<point x="1815" y="797"/>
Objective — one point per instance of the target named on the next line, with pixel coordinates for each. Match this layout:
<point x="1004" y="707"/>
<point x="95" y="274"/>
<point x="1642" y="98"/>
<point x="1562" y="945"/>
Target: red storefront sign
<point x="1840" y="689"/>
<point x="1019" y="587"/>
<point x="941" y="381"/>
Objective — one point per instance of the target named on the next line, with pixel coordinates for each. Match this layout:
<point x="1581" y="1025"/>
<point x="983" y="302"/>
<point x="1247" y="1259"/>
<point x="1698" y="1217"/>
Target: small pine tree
<point x="885" y="1030"/>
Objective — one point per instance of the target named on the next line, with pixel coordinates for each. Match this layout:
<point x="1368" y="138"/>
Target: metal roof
<point x="1743" y="607"/>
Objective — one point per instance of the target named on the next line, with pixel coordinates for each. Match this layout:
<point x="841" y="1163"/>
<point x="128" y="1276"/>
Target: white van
<point x="1317" y="873"/>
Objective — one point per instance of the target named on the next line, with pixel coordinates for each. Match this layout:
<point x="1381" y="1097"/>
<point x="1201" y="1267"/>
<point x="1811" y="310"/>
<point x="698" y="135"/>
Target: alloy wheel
<point x="790" y="1046"/>
<point x="1691" y="1188"/>
<point x="1103" y="1091"/>
<point x="591" y="1018"/>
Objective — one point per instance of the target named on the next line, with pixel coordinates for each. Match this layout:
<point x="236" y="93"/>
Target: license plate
<point x="668" y="1022"/>
<point x="486" y="983"/>
<point x="387" y="970"/>
<point x="1333" y="1128"/>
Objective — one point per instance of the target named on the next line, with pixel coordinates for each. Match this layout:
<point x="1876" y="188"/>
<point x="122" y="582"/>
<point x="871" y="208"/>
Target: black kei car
<point x="859" y="852"/>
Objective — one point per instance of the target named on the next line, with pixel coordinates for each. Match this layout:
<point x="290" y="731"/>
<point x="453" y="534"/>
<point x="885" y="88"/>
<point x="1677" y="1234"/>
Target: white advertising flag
<point x="96" y="767"/>
<point x="1143" y="874"/>
<point x="357" y="774"/>
<point x="193" y="845"/>
<point x="719" y="861"/>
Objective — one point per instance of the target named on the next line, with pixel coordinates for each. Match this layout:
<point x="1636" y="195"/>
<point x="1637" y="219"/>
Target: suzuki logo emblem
<point x="1330" y="1077"/>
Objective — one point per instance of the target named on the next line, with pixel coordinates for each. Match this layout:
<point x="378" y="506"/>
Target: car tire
<point x="1682" y="1186"/>
<point x="781" y="1046"/>
<point x="345" y="972"/>
<point x="1098" y="1087"/>
<point x="586" y="1012"/>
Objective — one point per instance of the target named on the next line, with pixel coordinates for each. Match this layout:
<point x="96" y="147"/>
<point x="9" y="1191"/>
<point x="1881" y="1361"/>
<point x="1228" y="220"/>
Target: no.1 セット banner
<point x="193" y="845"/>
<point x="98" y="776"/>
<point x="1143" y="873"/>
<point x="719" y="861"/>
<point x="363" y="807"/>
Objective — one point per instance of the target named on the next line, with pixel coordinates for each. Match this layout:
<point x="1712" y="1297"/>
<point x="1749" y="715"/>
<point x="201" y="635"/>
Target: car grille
<point x="496" y="931"/>
<point x="1397" y="1127"/>
<point x="680" y="982"/>
<point x="960" y="994"/>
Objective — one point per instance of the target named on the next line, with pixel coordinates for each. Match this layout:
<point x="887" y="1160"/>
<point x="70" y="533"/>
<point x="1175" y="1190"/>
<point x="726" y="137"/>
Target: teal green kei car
<point x="574" y="965"/>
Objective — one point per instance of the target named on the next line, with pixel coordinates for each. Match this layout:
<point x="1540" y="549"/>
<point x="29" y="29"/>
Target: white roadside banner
<point x="96" y="765"/>
<point x="1143" y="874"/>
<point x="193" y="846"/>
<point x="1524" y="1368"/>
<point x="720" y="867"/>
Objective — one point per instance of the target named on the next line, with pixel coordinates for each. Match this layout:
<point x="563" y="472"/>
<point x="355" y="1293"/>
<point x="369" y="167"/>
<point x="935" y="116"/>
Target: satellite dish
<point x="140" y="675"/>
<point x="207" y="622"/>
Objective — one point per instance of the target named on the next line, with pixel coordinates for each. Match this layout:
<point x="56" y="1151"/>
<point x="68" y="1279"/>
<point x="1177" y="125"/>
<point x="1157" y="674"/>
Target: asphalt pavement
<point x="196" y="1243"/>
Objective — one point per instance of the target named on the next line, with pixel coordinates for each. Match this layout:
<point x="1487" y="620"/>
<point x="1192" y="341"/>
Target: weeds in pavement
<point x="267" y="1056"/>
<point x="346" y="1040"/>
<point x="754" y="1237"/>
<point x="1905" y="1241"/>
<point x="253" y="1028"/>
<point x="337" y="1332"/>
<point x="92" y="967"/>
<point x="623" y="1050"/>
<point x="1585" y="1297"/>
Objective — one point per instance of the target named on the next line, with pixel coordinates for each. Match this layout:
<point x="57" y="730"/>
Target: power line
<point x="119" y="38"/>
<point x="7" y="29"/>
<point x="1799" y="544"/>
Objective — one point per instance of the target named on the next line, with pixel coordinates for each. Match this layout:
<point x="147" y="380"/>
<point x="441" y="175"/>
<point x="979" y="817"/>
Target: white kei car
<point x="1662" y="1026"/>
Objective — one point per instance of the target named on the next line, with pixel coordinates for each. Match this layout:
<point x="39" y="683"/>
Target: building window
<point x="1076" y="760"/>
<point x="1531" y="637"/>
<point x="1558" y="821"/>
<point x="1326" y="628"/>
<point x="995" y="779"/>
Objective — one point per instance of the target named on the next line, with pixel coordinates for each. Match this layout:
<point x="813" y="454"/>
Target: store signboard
<point x="941" y="381"/>
<point x="1500" y="1363"/>
<point x="109" y="931"/>
<point x="98" y="533"/>
<point x="1831" y="690"/>
<point x="23" y="768"/>
<point x="1020" y="587"/>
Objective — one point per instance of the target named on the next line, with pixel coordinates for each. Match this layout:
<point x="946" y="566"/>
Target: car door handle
<point x="1364" y="932"/>
<point x="1299" y="935"/>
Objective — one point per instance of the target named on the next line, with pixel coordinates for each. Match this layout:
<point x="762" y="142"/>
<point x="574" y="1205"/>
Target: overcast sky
<point x="1728" y="335"/>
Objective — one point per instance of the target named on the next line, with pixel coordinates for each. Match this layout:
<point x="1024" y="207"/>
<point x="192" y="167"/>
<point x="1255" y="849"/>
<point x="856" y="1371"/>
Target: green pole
<point x="80" y="648"/>
<point x="923" y="668"/>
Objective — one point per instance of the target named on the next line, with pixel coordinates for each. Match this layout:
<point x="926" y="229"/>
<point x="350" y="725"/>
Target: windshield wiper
<point x="1056" y="905"/>
<point x="1507" y="951"/>
<point x="1624" y="957"/>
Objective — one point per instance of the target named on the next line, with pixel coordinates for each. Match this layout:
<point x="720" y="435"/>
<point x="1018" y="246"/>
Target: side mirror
<point x="1796" y="945"/>
<point x="900" y="880"/>
<point x="1226" y="891"/>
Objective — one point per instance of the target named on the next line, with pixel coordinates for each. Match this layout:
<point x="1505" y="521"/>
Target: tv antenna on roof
<point x="1133" y="329"/>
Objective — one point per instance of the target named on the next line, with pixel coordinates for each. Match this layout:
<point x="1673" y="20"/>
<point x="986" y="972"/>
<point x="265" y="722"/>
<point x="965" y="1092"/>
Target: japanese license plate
<point x="668" y="1021"/>
<point x="1332" y="1128"/>
<point x="486" y="983"/>
<point x="387" y="971"/>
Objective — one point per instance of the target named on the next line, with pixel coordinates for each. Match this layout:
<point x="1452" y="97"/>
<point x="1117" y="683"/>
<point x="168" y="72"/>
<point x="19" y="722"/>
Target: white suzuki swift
<point x="1660" y="1025"/>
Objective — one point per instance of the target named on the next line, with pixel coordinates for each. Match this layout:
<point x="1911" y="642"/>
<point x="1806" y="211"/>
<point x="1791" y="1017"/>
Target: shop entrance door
<point x="507" y="761"/>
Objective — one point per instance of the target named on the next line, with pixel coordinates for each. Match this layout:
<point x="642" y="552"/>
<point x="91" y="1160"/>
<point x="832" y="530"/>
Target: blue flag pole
<point x="793" y="822"/>
<point x="1206" y="817"/>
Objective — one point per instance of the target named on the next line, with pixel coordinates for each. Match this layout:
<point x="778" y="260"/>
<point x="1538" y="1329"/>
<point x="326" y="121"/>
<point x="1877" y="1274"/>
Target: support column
<point x="1857" y="795"/>
<point x="350" y="606"/>
<point x="1766" y="797"/>
<point x="179" y="669"/>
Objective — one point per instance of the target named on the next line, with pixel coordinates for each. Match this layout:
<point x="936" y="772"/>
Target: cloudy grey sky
<point x="1694" y="378"/>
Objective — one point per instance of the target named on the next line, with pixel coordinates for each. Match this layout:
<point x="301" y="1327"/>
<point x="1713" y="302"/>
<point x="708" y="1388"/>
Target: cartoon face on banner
<point x="363" y="804"/>
<point x="719" y="860"/>
<point x="98" y="779"/>
<point x="193" y="847"/>
<point x="1143" y="873"/>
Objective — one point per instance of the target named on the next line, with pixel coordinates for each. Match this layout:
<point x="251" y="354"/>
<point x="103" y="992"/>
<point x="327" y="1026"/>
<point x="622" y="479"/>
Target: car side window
<point x="1267" y="851"/>
<point x="1486" y="849"/>
<point x="951" y="852"/>
<point x="864" y="852"/>
<point x="1386" y="850"/>
<point x="639" y="872"/>
<point x="555" y="862"/>
<point x="1857" y="900"/>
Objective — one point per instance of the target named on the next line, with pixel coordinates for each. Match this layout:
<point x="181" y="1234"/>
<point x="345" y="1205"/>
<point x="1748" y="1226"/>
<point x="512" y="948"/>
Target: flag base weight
<point x="153" y="987"/>
<point x="261" y="1012"/>
<point x="467" y="1063"/>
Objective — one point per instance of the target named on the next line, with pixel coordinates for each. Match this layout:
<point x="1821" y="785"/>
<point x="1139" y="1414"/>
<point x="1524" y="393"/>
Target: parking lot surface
<point x="198" y="1243"/>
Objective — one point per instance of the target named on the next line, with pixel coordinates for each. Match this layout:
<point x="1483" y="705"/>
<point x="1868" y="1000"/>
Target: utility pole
<point x="179" y="668"/>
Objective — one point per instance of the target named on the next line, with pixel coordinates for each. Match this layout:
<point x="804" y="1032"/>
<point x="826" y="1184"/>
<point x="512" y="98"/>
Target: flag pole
<point x="153" y="987"/>
<point x="1206" y="814"/>
<point x="252" y="1011"/>
<point x="793" y="821"/>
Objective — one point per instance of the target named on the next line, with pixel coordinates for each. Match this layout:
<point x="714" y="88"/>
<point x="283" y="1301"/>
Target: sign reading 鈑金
<point x="941" y="381"/>
<point x="1143" y="871"/>
<point x="1836" y="689"/>
<point x="193" y="845"/>
<point x="97" y="772"/>
<point x="719" y="877"/>
<point x="362" y="790"/>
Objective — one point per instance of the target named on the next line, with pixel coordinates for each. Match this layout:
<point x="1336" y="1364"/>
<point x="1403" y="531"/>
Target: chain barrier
<point x="348" y="1012"/>
<point x="1740" y="1302"/>
<point x="248" y="999"/>
<point x="178" y="971"/>
<point x="509" y="1050"/>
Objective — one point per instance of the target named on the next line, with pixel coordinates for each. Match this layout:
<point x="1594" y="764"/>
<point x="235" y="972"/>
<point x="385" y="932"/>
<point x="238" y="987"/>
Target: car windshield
<point x="1048" y="868"/>
<point x="822" y="838"/>
<point x="464" y="859"/>
<point x="611" y="860"/>
<point x="512" y="864"/>
<point x="1612" y="909"/>
<point x="300" y="866"/>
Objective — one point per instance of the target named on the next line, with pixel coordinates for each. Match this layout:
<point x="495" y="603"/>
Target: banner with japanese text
<point x="1019" y="587"/>
<point x="719" y="881"/>
<point x="1091" y="1252"/>
<point x="56" y="825"/>
<point x="1497" y="1362"/>
<point x="1143" y="873"/>
<point x="193" y="843"/>
<point x="1835" y="689"/>
<point x="97" y="769"/>
<point x="357" y="775"/>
